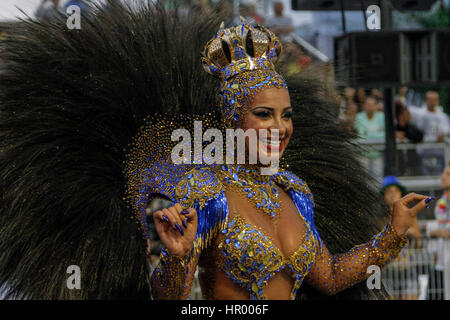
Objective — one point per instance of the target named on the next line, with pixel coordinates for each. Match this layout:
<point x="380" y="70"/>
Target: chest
<point x="374" y="123"/>
<point x="253" y="248"/>
<point x="284" y="231"/>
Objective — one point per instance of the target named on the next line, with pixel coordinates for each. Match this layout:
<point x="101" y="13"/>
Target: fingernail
<point x="184" y="223"/>
<point x="179" y="228"/>
<point x="429" y="199"/>
<point x="184" y="211"/>
<point x="165" y="218"/>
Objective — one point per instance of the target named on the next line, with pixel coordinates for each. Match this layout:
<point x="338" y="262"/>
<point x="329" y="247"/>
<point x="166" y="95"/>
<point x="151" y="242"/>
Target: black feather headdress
<point x="70" y="103"/>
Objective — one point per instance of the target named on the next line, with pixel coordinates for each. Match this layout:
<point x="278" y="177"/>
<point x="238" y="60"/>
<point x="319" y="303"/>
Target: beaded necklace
<point x="262" y="190"/>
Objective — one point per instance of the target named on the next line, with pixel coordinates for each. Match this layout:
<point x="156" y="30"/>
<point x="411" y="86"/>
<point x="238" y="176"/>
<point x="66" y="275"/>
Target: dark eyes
<point x="262" y="114"/>
<point x="287" y="115"/>
<point x="268" y="114"/>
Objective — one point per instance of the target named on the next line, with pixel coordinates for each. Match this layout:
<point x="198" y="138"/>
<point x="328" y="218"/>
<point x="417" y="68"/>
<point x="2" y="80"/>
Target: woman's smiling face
<point x="270" y="109"/>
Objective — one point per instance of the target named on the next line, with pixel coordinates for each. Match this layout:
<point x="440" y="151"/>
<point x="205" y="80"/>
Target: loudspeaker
<point x="443" y="56"/>
<point x="330" y="4"/>
<point x="374" y="59"/>
<point x="383" y="59"/>
<point x="425" y="58"/>
<point x="416" y="5"/>
<point x="432" y="56"/>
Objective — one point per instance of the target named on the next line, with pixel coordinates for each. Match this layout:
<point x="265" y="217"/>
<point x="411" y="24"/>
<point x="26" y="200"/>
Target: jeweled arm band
<point x="332" y="274"/>
<point x="172" y="278"/>
<point x="388" y="245"/>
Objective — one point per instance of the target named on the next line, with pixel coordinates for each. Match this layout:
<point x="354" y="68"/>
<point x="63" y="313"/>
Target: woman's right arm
<point x="172" y="278"/>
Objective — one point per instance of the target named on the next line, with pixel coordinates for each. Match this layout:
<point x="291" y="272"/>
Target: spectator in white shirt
<point x="280" y="24"/>
<point x="431" y="120"/>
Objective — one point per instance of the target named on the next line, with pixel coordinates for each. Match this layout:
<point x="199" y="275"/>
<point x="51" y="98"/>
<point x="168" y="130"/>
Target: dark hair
<point x="371" y="96"/>
<point x="399" y="108"/>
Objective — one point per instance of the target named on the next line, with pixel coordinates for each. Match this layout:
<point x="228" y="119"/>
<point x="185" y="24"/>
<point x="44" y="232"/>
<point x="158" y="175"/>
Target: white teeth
<point x="273" y="143"/>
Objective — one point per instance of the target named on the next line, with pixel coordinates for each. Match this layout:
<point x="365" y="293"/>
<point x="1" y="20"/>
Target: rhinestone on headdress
<point x="243" y="57"/>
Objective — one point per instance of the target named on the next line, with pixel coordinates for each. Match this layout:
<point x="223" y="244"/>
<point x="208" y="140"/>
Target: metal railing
<point x="420" y="272"/>
<point x="416" y="161"/>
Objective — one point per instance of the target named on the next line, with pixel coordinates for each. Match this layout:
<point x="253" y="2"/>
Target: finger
<point x="179" y="210"/>
<point x="175" y="213"/>
<point x="421" y="205"/>
<point x="161" y="221"/>
<point x="412" y="197"/>
<point x="178" y="207"/>
<point x="184" y="222"/>
<point x="174" y="220"/>
<point x="158" y="216"/>
<point x="190" y="214"/>
<point x="168" y="218"/>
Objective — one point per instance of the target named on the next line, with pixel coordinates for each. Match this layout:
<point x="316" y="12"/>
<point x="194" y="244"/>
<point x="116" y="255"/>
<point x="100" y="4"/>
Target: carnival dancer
<point x="252" y="234"/>
<point x="86" y="118"/>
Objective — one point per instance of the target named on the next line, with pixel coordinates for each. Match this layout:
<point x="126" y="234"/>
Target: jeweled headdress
<point x="244" y="59"/>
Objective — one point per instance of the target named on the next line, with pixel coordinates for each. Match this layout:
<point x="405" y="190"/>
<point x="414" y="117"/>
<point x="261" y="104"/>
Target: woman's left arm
<point x="333" y="273"/>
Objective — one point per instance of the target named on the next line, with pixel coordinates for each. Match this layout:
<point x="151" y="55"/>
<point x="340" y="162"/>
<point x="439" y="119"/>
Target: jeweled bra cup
<point x="251" y="259"/>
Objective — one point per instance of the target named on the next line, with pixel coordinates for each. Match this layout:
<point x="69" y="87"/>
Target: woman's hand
<point x="176" y="228"/>
<point x="403" y="216"/>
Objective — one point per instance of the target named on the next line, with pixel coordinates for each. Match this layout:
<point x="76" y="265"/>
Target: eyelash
<point x="288" y="115"/>
<point x="266" y="114"/>
<point x="262" y="114"/>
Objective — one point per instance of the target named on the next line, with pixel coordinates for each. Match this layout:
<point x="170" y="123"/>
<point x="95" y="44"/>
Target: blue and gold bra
<point x="251" y="259"/>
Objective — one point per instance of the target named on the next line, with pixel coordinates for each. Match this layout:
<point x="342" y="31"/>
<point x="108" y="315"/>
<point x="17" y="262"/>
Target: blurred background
<point x="389" y="62"/>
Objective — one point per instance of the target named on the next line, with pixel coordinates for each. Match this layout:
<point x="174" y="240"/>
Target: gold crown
<point x="241" y="48"/>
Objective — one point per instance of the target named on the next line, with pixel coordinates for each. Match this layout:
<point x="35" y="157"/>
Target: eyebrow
<point x="270" y="109"/>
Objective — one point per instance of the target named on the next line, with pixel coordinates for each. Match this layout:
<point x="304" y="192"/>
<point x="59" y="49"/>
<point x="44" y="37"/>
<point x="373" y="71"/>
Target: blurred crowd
<point x="362" y="111"/>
